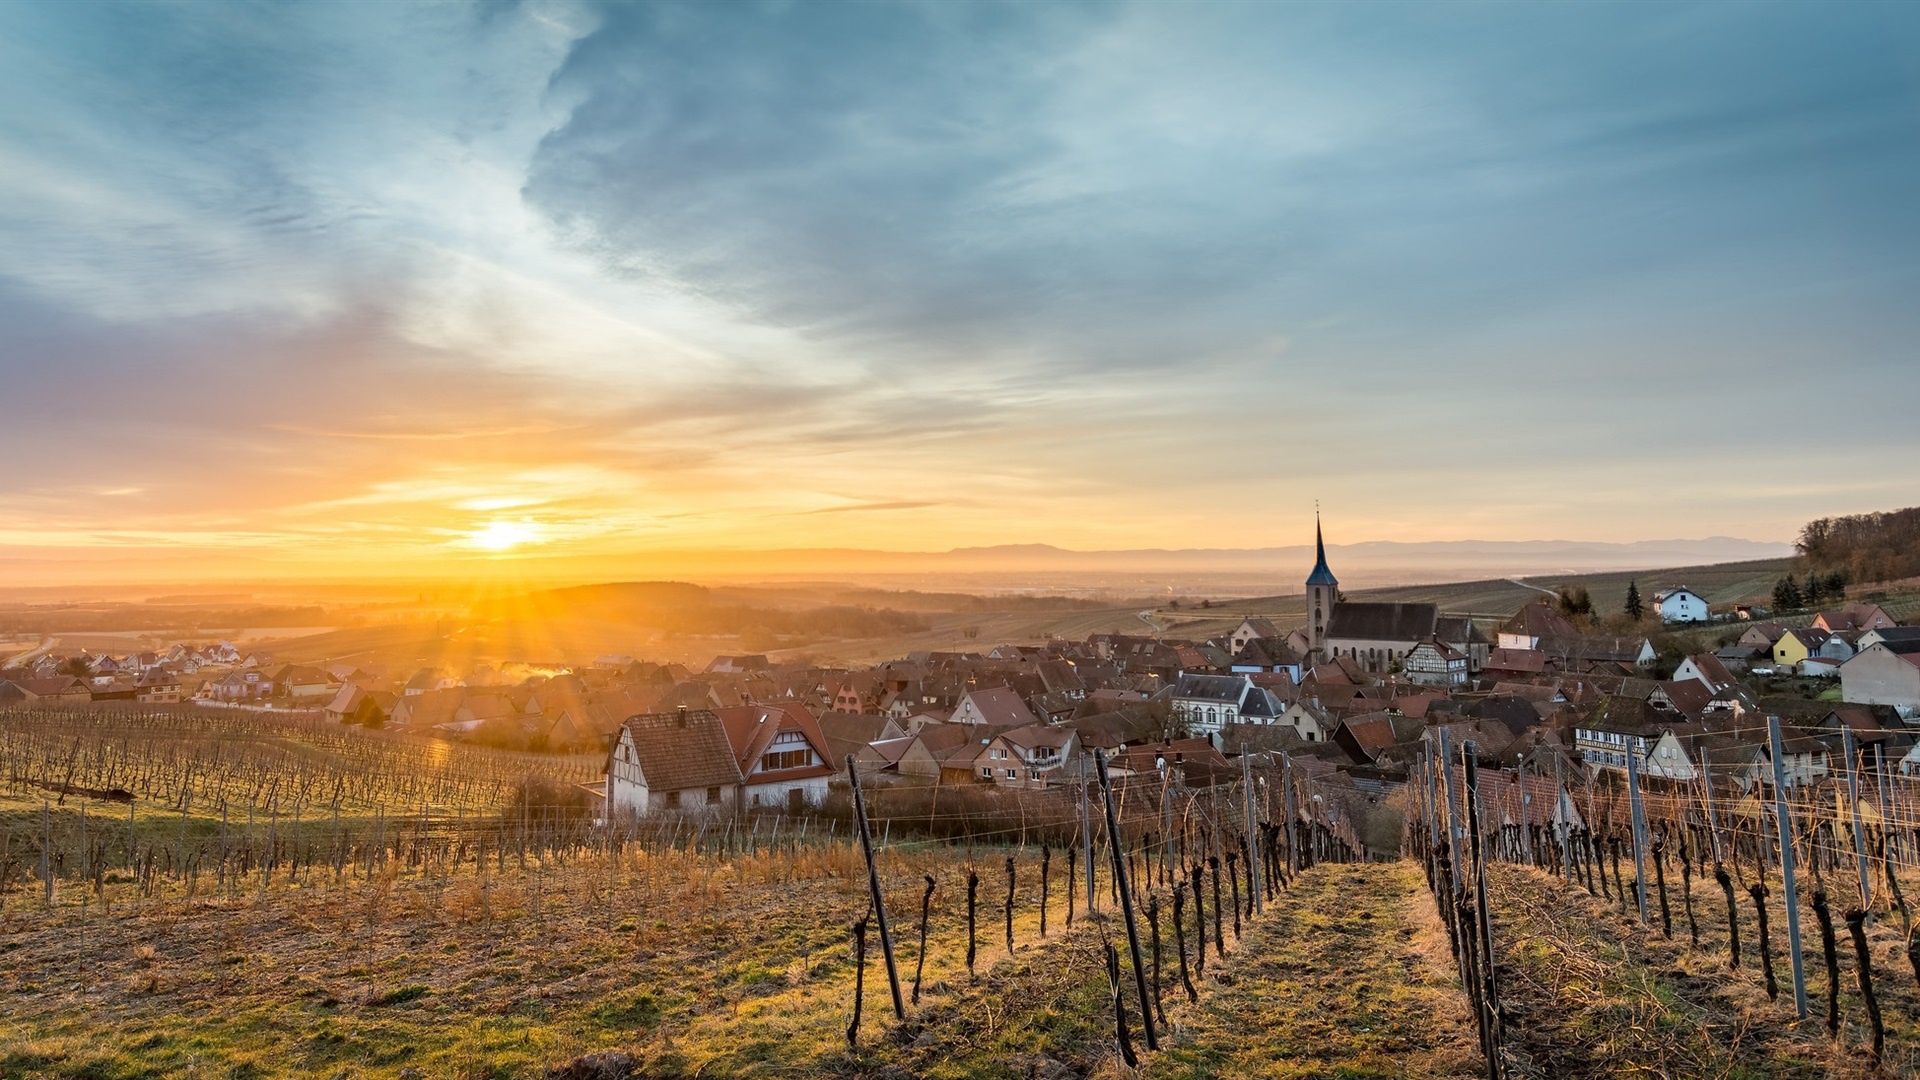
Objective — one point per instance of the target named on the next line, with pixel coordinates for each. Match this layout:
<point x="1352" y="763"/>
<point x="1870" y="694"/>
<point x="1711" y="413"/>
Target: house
<point x="737" y="665"/>
<point x="1707" y="670"/>
<point x="679" y="762"/>
<point x="850" y="733"/>
<point x="1680" y="605"/>
<point x="1000" y="707"/>
<point x="1687" y="697"/>
<point x="356" y="704"/>
<point x="1192" y="763"/>
<point x="1516" y="663"/>
<point x="112" y="690"/>
<point x="782" y="755"/>
<point x="1367" y="738"/>
<point x="476" y="710"/>
<point x="1310" y="720"/>
<point x="54" y="690"/>
<point x="1538" y="621"/>
<point x="1027" y="758"/>
<point x="882" y="755"/>
<point x="1796" y="645"/>
<point x="1206" y="704"/>
<point x="1856" y="617"/>
<point x="426" y="710"/>
<point x="1820" y="667"/>
<point x="249" y="684"/>
<point x="1888" y="634"/>
<point x="1605" y="740"/>
<point x="945" y="753"/>
<point x="1252" y="629"/>
<point x="1670" y="758"/>
<point x="1265" y="655"/>
<point x="427" y="679"/>
<point x="156" y="687"/>
<point x="1884" y="673"/>
<point x="1433" y="662"/>
<point x="1587" y="653"/>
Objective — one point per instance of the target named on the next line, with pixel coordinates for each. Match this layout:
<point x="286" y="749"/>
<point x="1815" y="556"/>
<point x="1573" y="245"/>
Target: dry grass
<point x="1347" y="975"/>
<point x="1592" y="993"/>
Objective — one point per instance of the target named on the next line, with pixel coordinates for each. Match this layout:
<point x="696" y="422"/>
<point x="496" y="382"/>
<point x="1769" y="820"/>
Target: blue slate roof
<point x="1321" y="575"/>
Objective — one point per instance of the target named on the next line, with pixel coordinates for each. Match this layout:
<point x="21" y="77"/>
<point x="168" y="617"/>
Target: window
<point x="773" y="761"/>
<point x="1010" y="773"/>
<point x="673" y="800"/>
<point x="713" y="796"/>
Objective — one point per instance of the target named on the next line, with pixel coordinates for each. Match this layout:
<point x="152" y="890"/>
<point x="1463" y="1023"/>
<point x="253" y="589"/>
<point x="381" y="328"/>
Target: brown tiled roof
<point x="680" y="751"/>
<point x="1519" y="660"/>
<point x="751" y="728"/>
<point x="1002" y="706"/>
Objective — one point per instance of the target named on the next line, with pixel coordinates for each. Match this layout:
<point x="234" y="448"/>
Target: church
<point x="1378" y="636"/>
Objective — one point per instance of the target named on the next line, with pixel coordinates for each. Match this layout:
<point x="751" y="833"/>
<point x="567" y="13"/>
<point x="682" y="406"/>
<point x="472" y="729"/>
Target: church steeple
<point x="1321" y="575"/>
<point x="1323" y="592"/>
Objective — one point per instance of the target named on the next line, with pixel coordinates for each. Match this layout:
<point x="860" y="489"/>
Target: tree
<point x="1786" y="594"/>
<point x="1837" y="585"/>
<point x="1575" y="601"/>
<point x="1814" y="591"/>
<point x="1634" y="608"/>
<point x="76" y="666"/>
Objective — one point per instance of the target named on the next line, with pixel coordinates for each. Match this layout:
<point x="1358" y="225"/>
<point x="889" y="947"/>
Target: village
<point x="1350" y="699"/>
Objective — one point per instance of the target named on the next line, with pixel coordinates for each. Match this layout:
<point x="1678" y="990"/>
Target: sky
<point x="336" y="289"/>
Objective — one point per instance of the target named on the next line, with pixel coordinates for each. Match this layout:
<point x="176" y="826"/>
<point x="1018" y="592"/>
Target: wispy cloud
<point x="860" y="508"/>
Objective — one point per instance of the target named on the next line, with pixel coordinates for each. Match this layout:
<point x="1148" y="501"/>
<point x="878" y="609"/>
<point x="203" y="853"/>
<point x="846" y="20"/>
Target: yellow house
<point x="1795" y="646"/>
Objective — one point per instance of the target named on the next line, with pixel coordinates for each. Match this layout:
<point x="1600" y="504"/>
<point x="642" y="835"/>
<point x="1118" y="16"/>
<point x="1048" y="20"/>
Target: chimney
<point x="683" y="716"/>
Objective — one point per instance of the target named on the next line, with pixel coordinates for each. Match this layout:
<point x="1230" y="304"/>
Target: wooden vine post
<point x="1853" y="813"/>
<point x="1639" y="833"/>
<point x="1784" y="818"/>
<point x="1482" y="915"/>
<point x="1253" y="846"/>
<point x="1126" y="901"/>
<point x="873" y="890"/>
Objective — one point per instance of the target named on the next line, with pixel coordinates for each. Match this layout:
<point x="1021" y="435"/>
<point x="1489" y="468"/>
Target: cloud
<point x="860" y="508"/>
<point x="1120" y="271"/>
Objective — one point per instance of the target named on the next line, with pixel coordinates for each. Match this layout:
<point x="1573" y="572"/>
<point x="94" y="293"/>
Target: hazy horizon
<point x="991" y="568"/>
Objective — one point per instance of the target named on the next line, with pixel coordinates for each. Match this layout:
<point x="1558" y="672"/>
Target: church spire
<point x="1321" y="574"/>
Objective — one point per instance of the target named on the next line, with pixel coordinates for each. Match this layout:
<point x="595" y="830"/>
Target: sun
<point x="503" y="535"/>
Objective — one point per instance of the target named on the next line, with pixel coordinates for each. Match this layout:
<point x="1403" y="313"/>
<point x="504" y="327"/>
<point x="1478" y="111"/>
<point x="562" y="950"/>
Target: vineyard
<point x="1723" y="924"/>
<point x="208" y="895"/>
<point x="187" y="894"/>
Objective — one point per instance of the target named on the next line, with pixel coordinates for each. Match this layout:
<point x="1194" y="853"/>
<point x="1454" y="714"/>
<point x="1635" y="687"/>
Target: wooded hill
<point x="1867" y="547"/>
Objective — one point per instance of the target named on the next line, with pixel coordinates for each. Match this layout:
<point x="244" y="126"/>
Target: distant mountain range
<point x="1373" y="561"/>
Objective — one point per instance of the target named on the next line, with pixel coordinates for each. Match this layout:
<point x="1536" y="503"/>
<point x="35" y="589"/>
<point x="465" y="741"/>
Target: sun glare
<point x="503" y="535"/>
